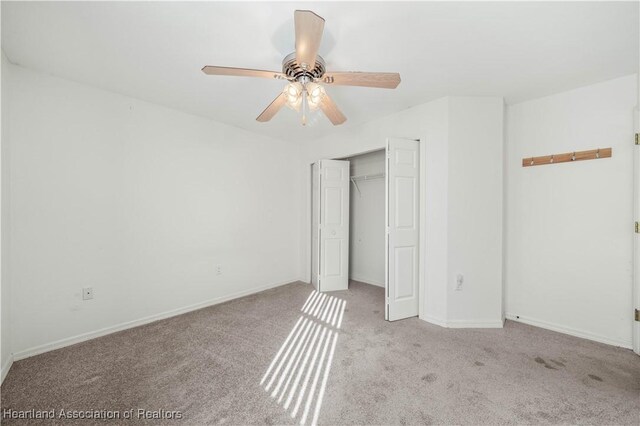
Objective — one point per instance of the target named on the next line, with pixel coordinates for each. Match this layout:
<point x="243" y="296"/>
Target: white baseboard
<point x="5" y="368"/>
<point x="434" y="320"/>
<point x="475" y="324"/>
<point x="463" y="323"/>
<point x="570" y="331"/>
<point x="367" y="281"/>
<point x="36" y="350"/>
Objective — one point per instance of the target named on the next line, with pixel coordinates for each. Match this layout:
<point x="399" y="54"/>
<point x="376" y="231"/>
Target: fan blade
<point x="309" y="27"/>
<point x="242" y="72"/>
<point x="383" y="80"/>
<point x="331" y="111"/>
<point x="273" y="108"/>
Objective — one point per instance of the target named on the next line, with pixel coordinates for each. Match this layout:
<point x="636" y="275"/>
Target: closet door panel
<point x="403" y="237"/>
<point x="334" y="225"/>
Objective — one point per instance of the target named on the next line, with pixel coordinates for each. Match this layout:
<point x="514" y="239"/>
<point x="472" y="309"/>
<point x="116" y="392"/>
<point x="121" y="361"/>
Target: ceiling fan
<point x="305" y="71"/>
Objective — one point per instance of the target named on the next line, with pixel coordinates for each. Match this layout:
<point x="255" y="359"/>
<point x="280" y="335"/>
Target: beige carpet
<point x="341" y="364"/>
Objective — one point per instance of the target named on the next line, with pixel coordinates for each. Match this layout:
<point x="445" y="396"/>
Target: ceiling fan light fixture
<point x="315" y="93"/>
<point x="293" y="93"/>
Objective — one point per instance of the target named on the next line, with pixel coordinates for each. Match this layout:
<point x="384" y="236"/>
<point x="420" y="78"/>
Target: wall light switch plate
<point x="87" y="293"/>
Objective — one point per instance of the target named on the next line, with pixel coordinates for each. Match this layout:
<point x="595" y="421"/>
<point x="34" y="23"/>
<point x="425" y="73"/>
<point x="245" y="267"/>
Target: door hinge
<point x="637" y="316"/>
<point x="637" y="227"/>
<point x="637" y="138"/>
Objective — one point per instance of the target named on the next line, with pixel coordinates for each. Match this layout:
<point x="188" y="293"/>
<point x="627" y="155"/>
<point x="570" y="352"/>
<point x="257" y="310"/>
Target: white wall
<point x="366" y="223"/>
<point x="569" y="239"/>
<point x="5" y="287"/>
<point x="141" y="203"/>
<point x="454" y="130"/>
<point x="475" y="211"/>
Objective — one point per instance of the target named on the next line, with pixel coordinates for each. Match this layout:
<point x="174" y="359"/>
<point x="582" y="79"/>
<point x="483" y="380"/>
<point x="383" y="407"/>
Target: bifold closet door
<point x="333" y="225"/>
<point x="403" y="236"/>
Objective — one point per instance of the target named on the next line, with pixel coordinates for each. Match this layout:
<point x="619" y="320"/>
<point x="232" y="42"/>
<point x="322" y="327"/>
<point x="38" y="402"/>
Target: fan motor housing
<point x="294" y="71"/>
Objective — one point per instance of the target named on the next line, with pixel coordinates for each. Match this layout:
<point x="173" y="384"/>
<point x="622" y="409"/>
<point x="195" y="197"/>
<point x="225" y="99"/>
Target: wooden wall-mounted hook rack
<point x="567" y="157"/>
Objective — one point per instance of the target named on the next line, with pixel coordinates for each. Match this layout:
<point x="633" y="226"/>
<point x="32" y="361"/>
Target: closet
<point x="366" y="218"/>
<point x="365" y="214"/>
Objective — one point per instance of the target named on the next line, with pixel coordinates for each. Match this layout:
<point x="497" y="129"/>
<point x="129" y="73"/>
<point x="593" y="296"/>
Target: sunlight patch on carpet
<point x="298" y="374"/>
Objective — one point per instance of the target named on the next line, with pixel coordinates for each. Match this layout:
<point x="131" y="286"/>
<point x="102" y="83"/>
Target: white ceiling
<point x="154" y="51"/>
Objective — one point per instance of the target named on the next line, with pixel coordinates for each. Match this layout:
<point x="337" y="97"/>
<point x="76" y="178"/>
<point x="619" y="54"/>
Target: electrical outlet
<point x="218" y="270"/>
<point x="87" y="293"/>
<point x="459" y="282"/>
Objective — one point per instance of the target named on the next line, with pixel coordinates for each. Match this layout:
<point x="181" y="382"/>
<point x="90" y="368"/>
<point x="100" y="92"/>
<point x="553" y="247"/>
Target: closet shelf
<point x="354" y="179"/>
<point x="367" y="177"/>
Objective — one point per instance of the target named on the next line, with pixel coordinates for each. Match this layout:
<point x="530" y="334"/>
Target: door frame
<point x="423" y="209"/>
<point x="635" y="327"/>
<point x="315" y="204"/>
